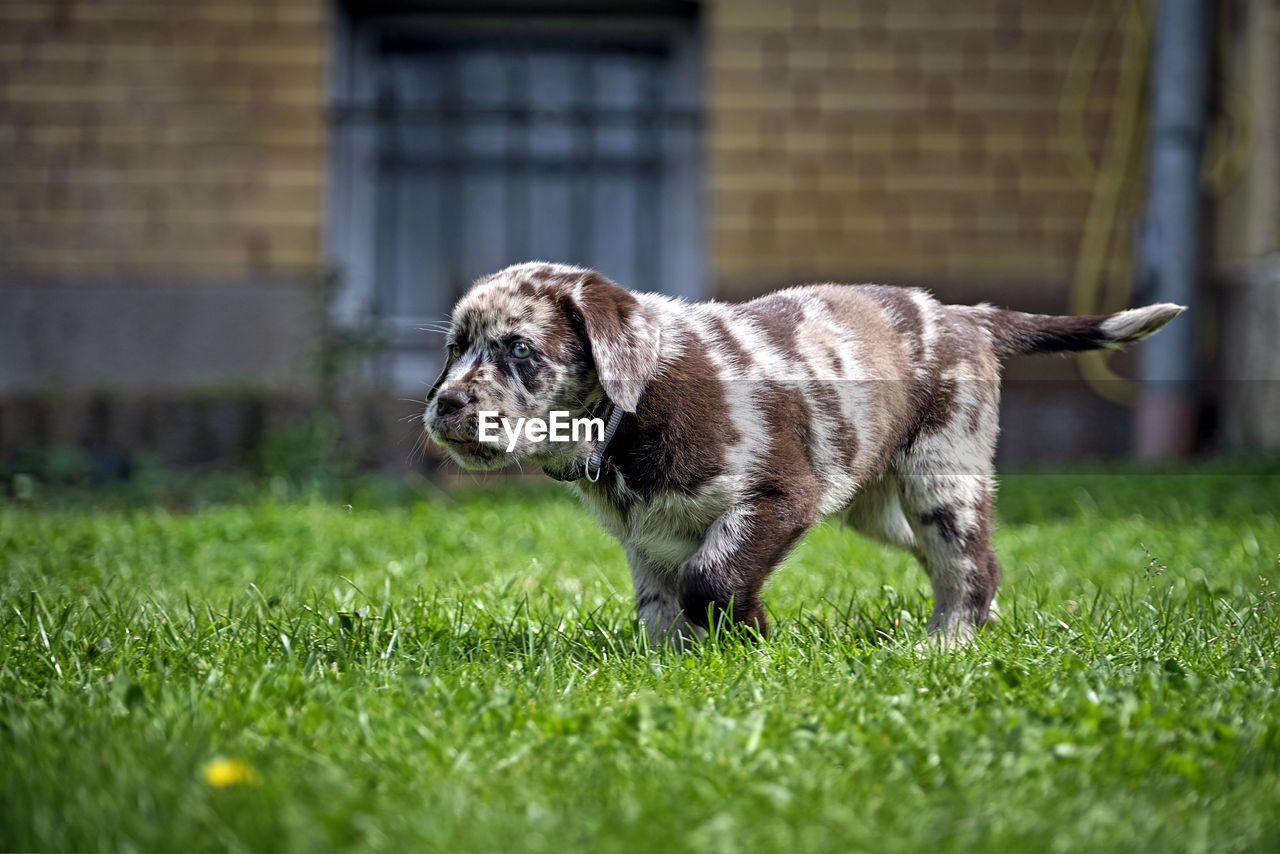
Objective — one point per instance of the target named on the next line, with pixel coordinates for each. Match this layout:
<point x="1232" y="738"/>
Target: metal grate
<point x="457" y="156"/>
<point x="563" y="156"/>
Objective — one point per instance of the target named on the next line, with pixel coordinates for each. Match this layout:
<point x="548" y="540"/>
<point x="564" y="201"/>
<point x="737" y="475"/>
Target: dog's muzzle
<point x="453" y="423"/>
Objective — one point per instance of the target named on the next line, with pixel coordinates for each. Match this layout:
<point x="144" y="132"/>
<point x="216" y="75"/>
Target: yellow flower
<point x="225" y="771"/>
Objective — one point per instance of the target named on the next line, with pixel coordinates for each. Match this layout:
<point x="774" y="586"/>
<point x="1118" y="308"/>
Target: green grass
<point x="463" y="674"/>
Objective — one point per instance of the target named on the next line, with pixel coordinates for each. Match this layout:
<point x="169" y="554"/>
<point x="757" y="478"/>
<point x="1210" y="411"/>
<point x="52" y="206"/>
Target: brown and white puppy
<point x="743" y="425"/>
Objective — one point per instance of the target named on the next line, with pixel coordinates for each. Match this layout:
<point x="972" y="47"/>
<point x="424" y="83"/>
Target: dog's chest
<point x="668" y="528"/>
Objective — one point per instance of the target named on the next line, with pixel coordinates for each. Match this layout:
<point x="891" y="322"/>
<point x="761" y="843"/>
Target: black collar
<point x="595" y="463"/>
<point x="596" y="460"/>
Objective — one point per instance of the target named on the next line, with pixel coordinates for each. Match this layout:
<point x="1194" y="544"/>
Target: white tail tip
<point x="1137" y="323"/>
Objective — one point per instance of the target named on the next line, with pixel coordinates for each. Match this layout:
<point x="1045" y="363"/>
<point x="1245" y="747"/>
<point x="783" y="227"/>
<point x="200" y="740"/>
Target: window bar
<point x="386" y="266"/>
<point x="649" y="171"/>
<point x="448" y="125"/>
<point x="581" y="235"/>
<point x="518" y="183"/>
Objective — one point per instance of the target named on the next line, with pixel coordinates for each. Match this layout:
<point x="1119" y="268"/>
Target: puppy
<point x="730" y="429"/>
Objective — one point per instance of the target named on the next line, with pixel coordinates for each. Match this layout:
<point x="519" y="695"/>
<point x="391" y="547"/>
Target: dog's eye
<point x="454" y="351"/>
<point x="521" y="350"/>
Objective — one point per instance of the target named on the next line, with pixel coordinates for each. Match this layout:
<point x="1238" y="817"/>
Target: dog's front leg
<point x="725" y="575"/>
<point x="658" y="602"/>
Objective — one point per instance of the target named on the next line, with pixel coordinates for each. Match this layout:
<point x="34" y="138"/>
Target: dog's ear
<point x="623" y="341"/>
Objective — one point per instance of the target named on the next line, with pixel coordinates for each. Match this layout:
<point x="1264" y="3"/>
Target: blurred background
<point x="224" y="224"/>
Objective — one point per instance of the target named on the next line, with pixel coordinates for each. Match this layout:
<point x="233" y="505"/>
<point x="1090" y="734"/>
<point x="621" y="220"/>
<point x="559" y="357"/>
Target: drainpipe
<point x="1169" y="255"/>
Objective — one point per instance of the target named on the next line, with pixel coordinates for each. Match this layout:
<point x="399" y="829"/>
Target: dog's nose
<point x="451" y="401"/>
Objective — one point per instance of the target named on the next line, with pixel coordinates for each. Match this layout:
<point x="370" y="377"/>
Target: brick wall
<point x="1245" y="250"/>
<point x="912" y="141"/>
<point x="151" y="138"/>
<point x="1245" y="206"/>
<point x="162" y="170"/>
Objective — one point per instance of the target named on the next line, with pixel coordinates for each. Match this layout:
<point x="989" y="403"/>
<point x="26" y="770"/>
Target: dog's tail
<point x="1014" y="332"/>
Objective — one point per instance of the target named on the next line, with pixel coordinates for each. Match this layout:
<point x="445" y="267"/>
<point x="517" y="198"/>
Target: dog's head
<point x="530" y="340"/>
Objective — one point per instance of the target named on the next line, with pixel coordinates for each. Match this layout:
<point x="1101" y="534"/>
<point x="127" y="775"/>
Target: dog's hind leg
<point x="946" y="486"/>
<point x="876" y="513"/>
<point x="950" y="515"/>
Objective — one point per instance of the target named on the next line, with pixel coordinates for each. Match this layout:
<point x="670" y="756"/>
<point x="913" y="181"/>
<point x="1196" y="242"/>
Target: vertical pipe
<point x="1166" y="416"/>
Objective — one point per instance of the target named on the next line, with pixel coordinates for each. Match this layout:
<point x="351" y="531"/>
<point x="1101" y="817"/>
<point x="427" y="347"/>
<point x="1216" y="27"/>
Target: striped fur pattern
<point x="747" y="423"/>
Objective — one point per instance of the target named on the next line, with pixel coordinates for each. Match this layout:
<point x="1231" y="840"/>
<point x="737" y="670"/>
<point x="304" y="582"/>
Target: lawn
<point x="277" y="670"/>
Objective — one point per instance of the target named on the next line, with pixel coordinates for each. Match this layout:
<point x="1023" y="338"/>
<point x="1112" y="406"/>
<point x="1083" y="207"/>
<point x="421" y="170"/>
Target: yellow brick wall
<point x="161" y="137"/>
<point x="905" y="141"/>
<point x="1245" y="190"/>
